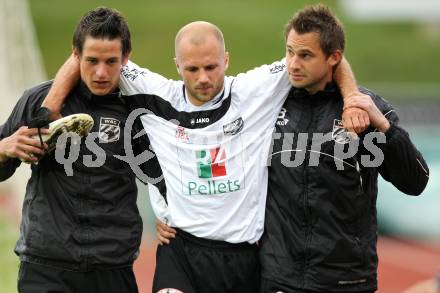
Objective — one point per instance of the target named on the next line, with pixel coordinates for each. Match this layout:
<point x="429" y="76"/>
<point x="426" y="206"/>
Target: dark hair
<point x="319" y="19"/>
<point x="102" y="23"/>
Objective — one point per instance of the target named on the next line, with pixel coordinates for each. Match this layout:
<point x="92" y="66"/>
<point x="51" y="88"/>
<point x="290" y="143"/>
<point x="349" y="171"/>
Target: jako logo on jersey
<point x="199" y="120"/>
<point x="234" y="127"/>
<point x="211" y="164"/>
<point x="109" y="130"/>
<point x="282" y="120"/>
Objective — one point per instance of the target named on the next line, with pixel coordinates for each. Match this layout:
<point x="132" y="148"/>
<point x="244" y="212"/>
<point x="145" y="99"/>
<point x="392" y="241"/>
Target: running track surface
<point x="402" y="263"/>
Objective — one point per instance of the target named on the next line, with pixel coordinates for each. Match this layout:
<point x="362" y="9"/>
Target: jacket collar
<point x="331" y="90"/>
<point x="84" y="92"/>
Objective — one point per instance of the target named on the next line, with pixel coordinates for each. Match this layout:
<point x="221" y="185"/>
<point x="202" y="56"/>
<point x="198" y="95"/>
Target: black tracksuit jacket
<point x="321" y="223"/>
<point x="88" y="221"/>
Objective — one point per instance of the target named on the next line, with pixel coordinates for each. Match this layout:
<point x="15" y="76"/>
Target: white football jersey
<point x="213" y="157"/>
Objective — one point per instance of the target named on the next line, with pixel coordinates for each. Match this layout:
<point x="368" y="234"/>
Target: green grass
<point x="154" y="25"/>
<point x="385" y="53"/>
<point x="8" y="260"/>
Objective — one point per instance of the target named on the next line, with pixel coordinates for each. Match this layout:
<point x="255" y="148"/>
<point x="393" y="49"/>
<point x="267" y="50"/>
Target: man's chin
<point x="100" y="92"/>
<point x="205" y="97"/>
<point x="297" y="84"/>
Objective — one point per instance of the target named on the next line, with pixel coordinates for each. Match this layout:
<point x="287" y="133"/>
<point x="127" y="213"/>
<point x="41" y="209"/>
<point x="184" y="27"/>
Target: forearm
<point x="3" y="157"/>
<point x="403" y="164"/>
<point x="7" y="165"/>
<point x="345" y="79"/>
<point x="3" y="154"/>
<point x="7" y="169"/>
<point x="65" y="80"/>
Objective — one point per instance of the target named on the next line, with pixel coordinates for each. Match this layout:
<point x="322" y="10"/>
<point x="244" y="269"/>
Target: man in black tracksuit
<point x="321" y="226"/>
<point x="79" y="233"/>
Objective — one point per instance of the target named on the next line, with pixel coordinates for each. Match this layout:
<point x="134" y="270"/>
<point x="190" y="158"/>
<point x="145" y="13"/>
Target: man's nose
<point x="203" y="76"/>
<point x="101" y="71"/>
<point x="293" y="63"/>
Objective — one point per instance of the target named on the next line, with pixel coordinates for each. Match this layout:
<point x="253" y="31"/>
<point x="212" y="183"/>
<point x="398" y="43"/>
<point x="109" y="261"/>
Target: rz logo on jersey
<point x="339" y="133"/>
<point x="277" y="68"/>
<point x="211" y="163"/>
<point x="109" y="130"/>
<point x="282" y="120"/>
<point x="181" y="135"/>
<point x="234" y="127"/>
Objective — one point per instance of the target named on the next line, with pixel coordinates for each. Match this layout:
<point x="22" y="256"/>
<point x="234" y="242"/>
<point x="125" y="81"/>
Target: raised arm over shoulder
<point x="354" y="118"/>
<point x="65" y="80"/>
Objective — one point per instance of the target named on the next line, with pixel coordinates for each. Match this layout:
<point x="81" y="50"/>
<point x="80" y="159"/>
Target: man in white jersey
<point x="211" y="135"/>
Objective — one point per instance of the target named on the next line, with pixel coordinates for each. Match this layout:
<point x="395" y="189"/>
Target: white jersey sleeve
<point x="136" y="80"/>
<point x="269" y="83"/>
<point x="158" y="204"/>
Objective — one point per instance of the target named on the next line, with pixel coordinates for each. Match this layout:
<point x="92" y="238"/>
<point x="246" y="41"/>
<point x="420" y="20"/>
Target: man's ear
<point x="226" y="60"/>
<point x="125" y="59"/>
<point x="76" y="54"/>
<point x="334" y="58"/>
<point x="177" y="65"/>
